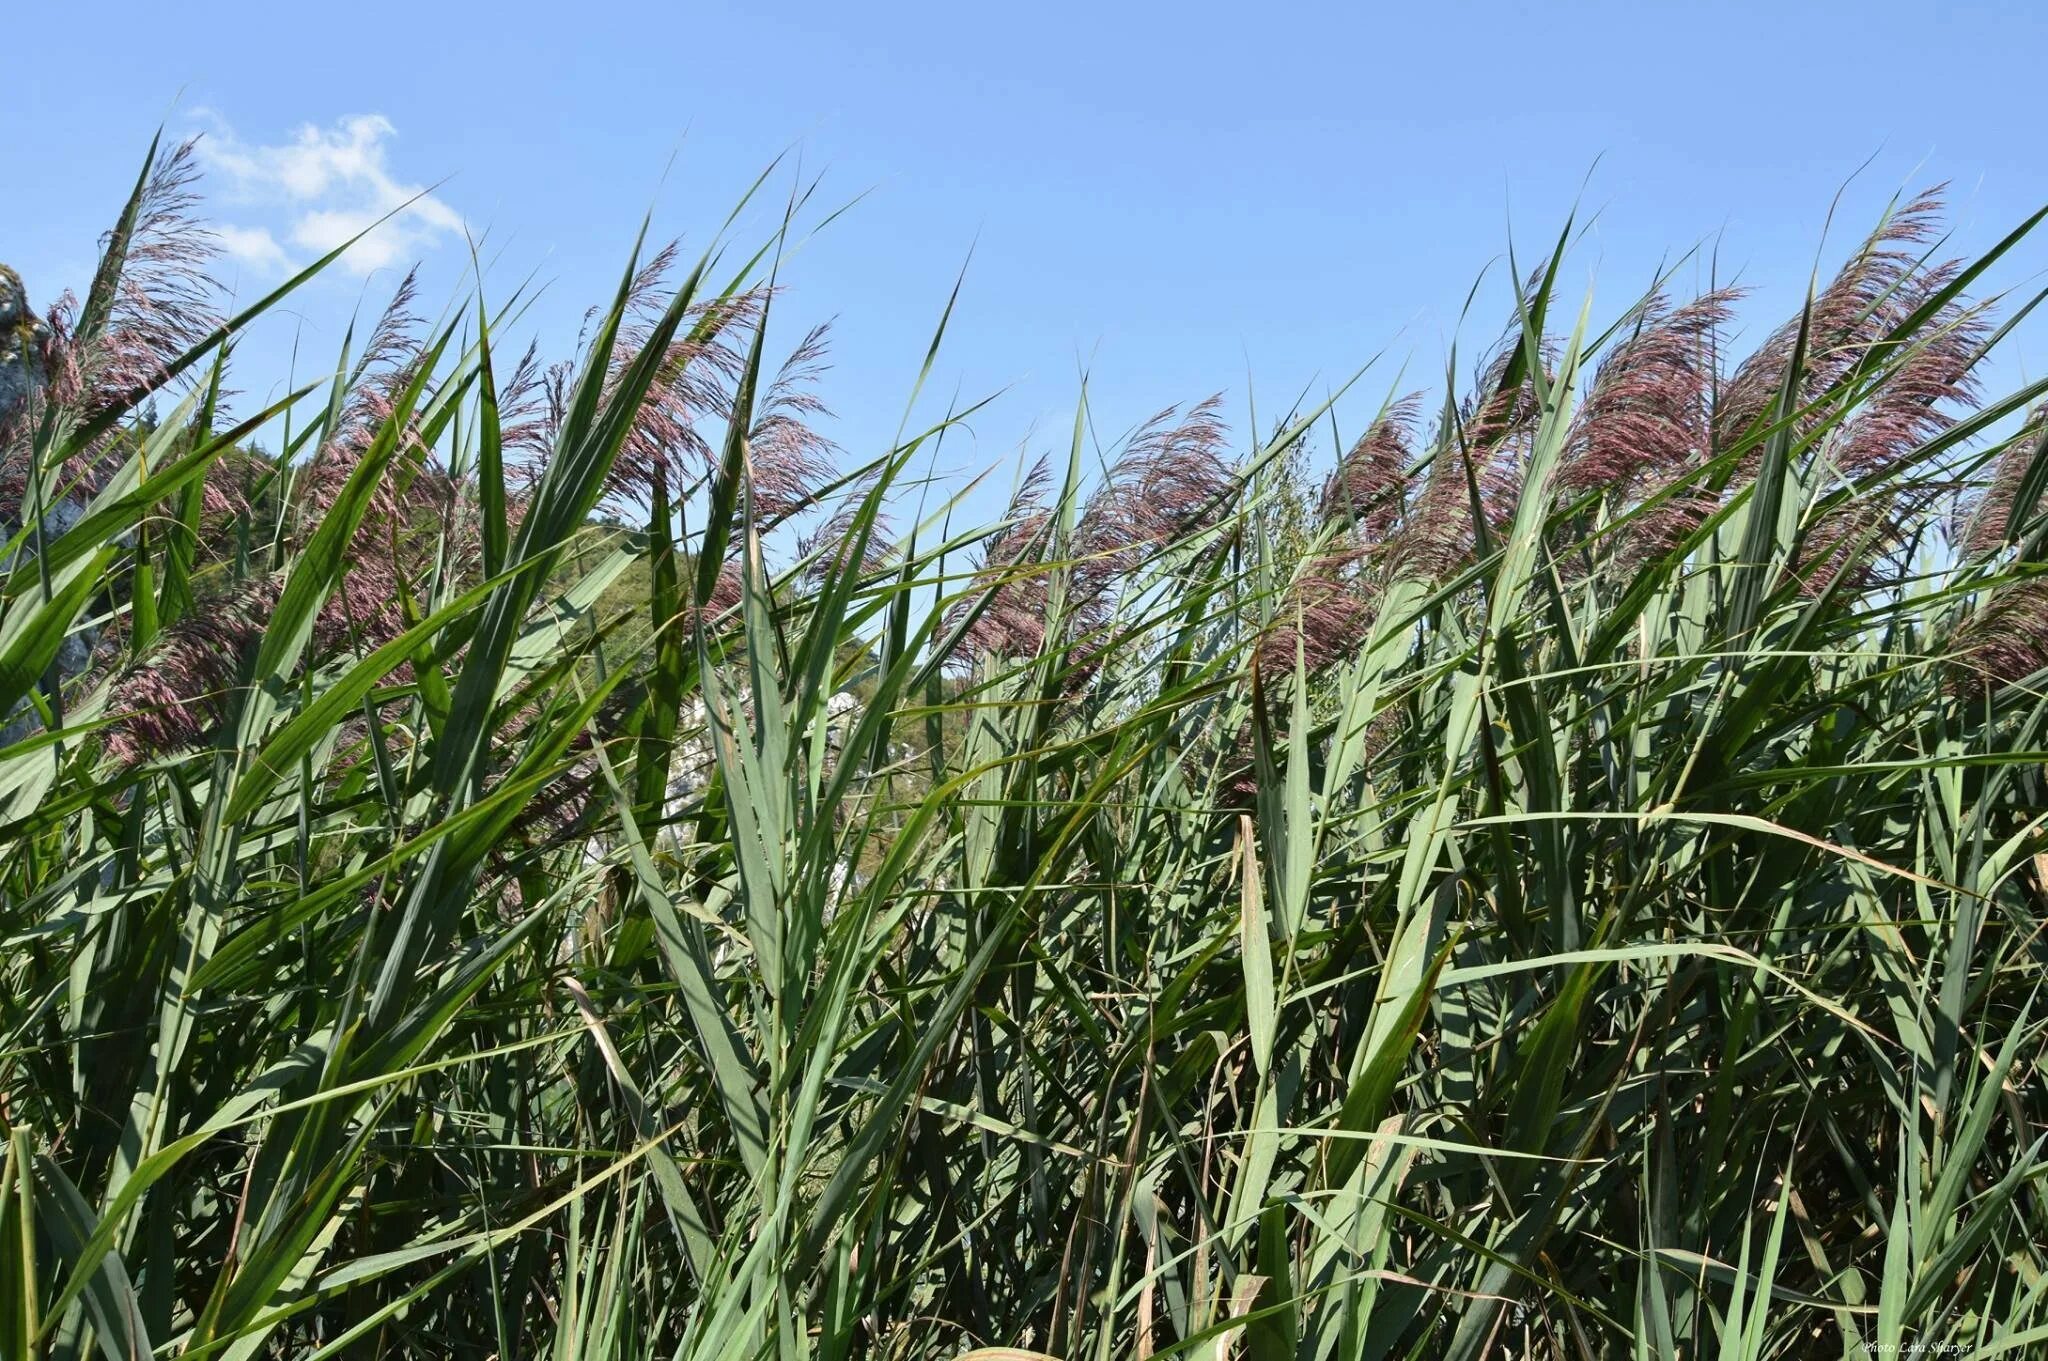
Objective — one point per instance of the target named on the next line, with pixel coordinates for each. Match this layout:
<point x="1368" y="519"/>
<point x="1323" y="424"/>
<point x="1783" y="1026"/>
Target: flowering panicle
<point x="178" y="695"/>
<point x="1912" y="404"/>
<point x="827" y="545"/>
<point x="393" y="547"/>
<point x="1012" y="623"/>
<point x="153" y="301"/>
<point x="1484" y="444"/>
<point x="1171" y="480"/>
<point x="1915" y="398"/>
<point x="727" y="589"/>
<point x="1987" y="516"/>
<point x="1847" y="544"/>
<point x="1914" y="388"/>
<point x="2004" y="640"/>
<point x="523" y="407"/>
<point x="1325" y="614"/>
<point x="162" y="300"/>
<point x="1870" y="295"/>
<point x="1647" y="423"/>
<point x="695" y="384"/>
<point x="787" y="459"/>
<point x="1370" y="485"/>
<point x="1437" y="534"/>
<point x="1645" y="418"/>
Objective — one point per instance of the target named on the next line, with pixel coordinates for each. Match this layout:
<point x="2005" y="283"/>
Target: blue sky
<point x="1179" y="198"/>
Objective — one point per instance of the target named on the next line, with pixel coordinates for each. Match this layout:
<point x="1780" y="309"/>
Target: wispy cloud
<point x="324" y="185"/>
<point x="254" y="247"/>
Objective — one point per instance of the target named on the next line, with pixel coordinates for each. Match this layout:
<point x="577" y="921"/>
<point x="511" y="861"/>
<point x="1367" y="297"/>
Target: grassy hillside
<point x="1572" y="885"/>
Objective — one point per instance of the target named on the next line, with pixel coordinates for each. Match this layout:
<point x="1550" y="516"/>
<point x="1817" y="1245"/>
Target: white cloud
<point x="326" y="184"/>
<point x="254" y="247"/>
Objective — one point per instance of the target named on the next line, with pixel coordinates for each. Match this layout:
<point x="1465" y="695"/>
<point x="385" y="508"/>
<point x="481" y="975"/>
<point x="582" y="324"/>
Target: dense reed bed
<point x="1563" y="879"/>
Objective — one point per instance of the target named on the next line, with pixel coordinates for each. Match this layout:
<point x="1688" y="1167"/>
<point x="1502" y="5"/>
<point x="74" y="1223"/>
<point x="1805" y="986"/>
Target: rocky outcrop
<point x="24" y="343"/>
<point x="22" y="336"/>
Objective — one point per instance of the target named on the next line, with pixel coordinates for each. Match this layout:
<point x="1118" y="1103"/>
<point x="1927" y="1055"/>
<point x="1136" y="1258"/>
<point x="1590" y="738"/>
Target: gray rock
<point x="22" y="338"/>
